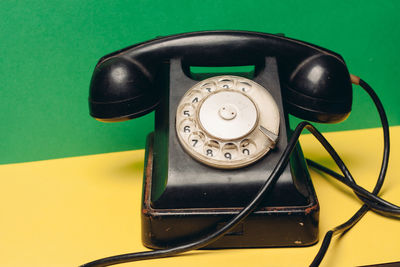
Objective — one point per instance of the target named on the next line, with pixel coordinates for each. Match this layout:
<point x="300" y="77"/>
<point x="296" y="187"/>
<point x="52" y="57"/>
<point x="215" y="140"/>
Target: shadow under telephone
<point x="216" y="140"/>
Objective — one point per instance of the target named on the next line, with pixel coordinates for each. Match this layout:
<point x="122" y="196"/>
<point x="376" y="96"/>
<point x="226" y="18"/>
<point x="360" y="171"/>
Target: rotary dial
<point x="227" y="122"/>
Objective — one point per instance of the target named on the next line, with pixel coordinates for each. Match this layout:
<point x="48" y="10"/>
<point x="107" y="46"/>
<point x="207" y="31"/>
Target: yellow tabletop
<point x="68" y="211"/>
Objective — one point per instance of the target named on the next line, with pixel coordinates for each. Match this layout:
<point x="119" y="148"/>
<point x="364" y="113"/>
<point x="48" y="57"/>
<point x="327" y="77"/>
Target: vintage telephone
<point x="217" y="139"/>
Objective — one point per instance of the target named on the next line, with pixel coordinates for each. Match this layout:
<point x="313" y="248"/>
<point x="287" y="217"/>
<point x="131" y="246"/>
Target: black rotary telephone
<point x="217" y="139"/>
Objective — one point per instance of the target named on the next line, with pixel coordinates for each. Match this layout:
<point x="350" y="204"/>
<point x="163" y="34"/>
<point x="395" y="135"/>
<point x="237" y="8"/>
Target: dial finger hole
<point x="244" y="87"/>
<point x="196" y="139"/>
<point x="247" y="147"/>
<point x="211" y="148"/>
<point x="230" y="151"/>
<point x="208" y="87"/>
<point x="187" y="110"/>
<point x="195" y="97"/>
<point x="187" y="126"/>
<point x="225" y="83"/>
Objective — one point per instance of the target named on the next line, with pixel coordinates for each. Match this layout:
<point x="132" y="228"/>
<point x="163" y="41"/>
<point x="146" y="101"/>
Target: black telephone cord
<point x="375" y="202"/>
<point x="384" y="165"/>
<point x="236" y="219"/>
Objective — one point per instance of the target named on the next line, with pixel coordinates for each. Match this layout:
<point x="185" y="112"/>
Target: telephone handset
<point x="216" y="140"/>
<point x="316" y="82"/>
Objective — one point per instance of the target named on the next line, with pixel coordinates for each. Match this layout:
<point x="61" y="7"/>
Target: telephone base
<point x="269" y="226"/>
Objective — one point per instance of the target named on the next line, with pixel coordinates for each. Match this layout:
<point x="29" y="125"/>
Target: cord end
<point x="354" y="79"/>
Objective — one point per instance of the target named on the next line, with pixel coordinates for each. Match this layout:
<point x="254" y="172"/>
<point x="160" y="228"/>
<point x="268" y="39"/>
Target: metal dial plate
<point x="227" y="122"/>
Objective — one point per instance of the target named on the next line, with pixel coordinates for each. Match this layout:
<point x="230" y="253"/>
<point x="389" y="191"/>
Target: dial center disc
<point x="228" y="115"/>
<point x="227" y="111"/>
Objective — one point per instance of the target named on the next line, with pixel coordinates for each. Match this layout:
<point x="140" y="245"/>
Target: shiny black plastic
<point x="183" y="198"/>
<point x="315" y="81"/>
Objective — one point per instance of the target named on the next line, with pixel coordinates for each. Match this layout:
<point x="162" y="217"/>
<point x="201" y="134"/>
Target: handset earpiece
<point x="121" y="89"/>
<point x="319" y="90"/>
<point x="315" y="81"/>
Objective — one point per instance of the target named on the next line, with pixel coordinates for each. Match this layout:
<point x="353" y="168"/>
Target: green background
<point x="49" y="49"/>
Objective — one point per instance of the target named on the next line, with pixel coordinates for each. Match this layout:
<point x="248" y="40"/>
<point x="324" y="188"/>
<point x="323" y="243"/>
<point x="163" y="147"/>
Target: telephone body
<point x="216" y="140"/>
